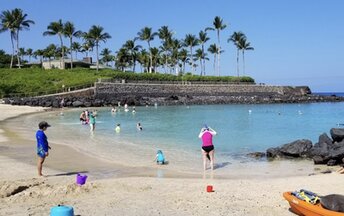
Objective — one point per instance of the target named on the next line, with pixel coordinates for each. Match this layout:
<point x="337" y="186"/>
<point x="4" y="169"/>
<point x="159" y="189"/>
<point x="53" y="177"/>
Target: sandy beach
<point x="140" y="191"/>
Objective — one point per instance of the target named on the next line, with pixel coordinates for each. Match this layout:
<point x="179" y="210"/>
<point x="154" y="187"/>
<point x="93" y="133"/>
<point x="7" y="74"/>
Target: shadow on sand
<point x="221" y="165"/>
<point x="69" y="173"/>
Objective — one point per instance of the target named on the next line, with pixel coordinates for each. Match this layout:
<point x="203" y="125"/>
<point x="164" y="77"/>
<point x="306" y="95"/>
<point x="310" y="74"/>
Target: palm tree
<point x="218" y="26"/>
<point x="22" y="52"/>
<point x="146" y="34"/>
<point x="56" y="28"/>
<point x="235" y="38"/>
<point x="214" y="49"/>
<point x="69" y="31"/>
<point x="144" y="60"/>
<point x="122" y="59"/>
<point x="77" y="48"/>
<point x="133" y="49"/>
<point x="50" y="52"/>
<point x="176" y="45"/>
<point x="106" y="53"/>
<point x="244" y="45"/>
<point x="183" y="56"/>
<point x="97" y="35"/>
<point x="88" y="45"/>
<point x="39" y="53"/>
<point x="203" y="38"/>
<point x="8" y="24"/>
<point x="29" y="53"/>
<point x="166" y="36"/>
<point x="155" y="58"/>
<point x="191" y="41"/>
<point x="20" y="23"/>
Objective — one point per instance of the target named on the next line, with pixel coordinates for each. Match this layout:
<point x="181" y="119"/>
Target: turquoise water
<point x="174" y="129"/>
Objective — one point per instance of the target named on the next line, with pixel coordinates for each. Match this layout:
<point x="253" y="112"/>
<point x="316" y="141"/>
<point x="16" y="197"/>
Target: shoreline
<point x="146" y="194"/>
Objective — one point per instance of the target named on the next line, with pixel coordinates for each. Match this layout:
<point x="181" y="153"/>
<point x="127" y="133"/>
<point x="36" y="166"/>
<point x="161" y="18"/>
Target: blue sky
<point x="296" y="42"/>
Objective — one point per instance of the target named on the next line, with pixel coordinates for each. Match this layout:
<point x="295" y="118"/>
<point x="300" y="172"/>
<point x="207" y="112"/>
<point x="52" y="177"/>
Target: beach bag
<point x="160" y="157"/>
<point x="307" y="196"/>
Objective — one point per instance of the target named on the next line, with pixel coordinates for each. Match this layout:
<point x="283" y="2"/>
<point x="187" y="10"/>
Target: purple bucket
<point x="80" y="179"/>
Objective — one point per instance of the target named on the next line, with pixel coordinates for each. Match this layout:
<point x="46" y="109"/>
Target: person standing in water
<point x="206" y="135"/>
<point x="92" y="122"/>
<point x="42" y="145"/>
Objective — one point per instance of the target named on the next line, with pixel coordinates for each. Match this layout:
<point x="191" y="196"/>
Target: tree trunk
<point x="97" y="56"/>
<point x="134" y="65"/>
<point x="62" y="51"/>
<point x="71" y="53"/>
<point x="218" y="62"/>
<point x="18" y="57"/>
<point x="192" y="63"/>
<point x="214" y="67"/>
<point x="243" y="61"/>
<point x="150" y="58"/>
<point x="11" y="65"/>
<point x="238" y="62"/>
<point x="218" y="57"/>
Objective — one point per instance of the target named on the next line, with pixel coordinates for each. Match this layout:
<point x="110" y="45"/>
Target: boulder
<point x="331" y="162"/>
<point x="256" y="154"/>
<point x="320" y="149"/>
<point x="319" y="160"/>
<point x="298" y="148"/>
<point x="337" y="134"/>
<point x="273" y="152"/>
<point x="324" y="138"/>
<point x="77" y="104"/>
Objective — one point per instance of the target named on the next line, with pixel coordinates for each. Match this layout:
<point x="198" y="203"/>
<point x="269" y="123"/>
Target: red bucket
<point x="210" y="188"/>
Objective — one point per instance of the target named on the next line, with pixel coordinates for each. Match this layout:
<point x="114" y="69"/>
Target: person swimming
<point x="139" y="126"/>
<point x="118" y="128"/>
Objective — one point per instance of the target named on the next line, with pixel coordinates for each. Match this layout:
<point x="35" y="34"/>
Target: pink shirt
<point x="207" y="137"/>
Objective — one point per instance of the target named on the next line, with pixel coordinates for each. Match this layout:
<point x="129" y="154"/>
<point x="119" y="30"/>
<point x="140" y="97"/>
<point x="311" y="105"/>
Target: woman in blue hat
<point x="208" y="150"/>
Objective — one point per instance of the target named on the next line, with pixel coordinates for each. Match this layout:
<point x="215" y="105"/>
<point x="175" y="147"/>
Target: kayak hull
<point x="303" y="208"/>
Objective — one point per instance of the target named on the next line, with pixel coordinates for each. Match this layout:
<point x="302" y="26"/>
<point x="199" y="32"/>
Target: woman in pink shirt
<point x="206" y="135"/>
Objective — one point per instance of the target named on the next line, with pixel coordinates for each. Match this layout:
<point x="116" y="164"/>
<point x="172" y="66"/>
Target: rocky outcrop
<point x="109" y="94"/>
<point x="298" y="148"/>
<point x="325" y="151"/>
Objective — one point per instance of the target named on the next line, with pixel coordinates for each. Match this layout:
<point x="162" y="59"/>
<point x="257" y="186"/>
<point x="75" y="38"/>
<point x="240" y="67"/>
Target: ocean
<point x="241" y="129"/>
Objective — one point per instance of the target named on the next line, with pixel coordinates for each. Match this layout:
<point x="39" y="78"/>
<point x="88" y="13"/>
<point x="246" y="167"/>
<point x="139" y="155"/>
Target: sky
<point x="295" y="42"/>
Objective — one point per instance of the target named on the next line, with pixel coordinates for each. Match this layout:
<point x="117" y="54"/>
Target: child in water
<point x="138" y="126"/>
<point x="160" y="158"/>
<point x="118" y="128"/>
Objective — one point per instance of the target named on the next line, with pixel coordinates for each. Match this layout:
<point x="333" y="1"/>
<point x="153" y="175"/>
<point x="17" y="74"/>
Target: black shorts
<point x="208" y="148"/>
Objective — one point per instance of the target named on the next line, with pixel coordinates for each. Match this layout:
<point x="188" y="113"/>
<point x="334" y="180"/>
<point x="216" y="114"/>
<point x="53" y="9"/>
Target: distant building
<point x="85" y="63"/>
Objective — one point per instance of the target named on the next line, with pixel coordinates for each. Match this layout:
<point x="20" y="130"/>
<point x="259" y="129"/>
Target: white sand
<point x="23" y="194"/>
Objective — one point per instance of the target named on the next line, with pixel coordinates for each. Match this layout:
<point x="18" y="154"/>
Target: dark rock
<point x="321" y="149"/>
<point x="273" y="152"/>
<point x="324" y="138"/>
<point x="298" y="148"/>
<point x="256" y="154"/>
<point x="337" y="134"/>
<point x="331" y="162"/>
<point x="56" y="104"/>
<point x="333" y="202"/>
<point x="319" y="160"/>
<point x="78" y="104"/>
<point x="87" y="104"/>
<point x="337" y="154"/>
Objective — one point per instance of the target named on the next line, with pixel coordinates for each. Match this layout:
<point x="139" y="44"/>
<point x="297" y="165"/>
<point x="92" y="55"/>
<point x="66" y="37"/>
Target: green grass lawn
<point x="35" y="81"/>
